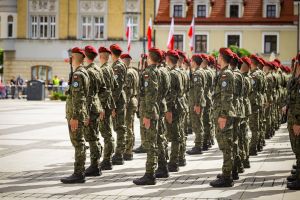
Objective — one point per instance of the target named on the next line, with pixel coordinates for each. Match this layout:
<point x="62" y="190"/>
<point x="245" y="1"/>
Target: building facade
<point x="43" y="31"/>
<point x="261" y="26"/>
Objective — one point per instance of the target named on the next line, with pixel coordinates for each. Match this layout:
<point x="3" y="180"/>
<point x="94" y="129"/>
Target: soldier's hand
<point x="296" y="129"/>
<point x="113" y="113"/>
<point x="146" y="122"/>
<point x="222" y="122"/>
<point x="74" y="124"/>
<point x="169" y="117"/>
<point x="87" y="122"/>
<point x="197" y="110"/>
<point x="102" y="115"/>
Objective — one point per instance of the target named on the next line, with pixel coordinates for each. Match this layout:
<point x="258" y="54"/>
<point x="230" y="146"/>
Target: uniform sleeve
<point x="151" y="93"/>
<point x="227" y="85"/>
<point x="119" y="74"/>
<point x="172" y="95"/>
<point x="129" y="86"/>
<point x="78" y="95"/>
<point x="199" y="80"/>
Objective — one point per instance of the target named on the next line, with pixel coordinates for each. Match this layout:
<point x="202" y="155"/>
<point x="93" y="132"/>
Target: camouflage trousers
<point x="120" y="129"/>
<point x="269" y="124"/>
<point x="237" y="139"/>
<point x="225" y="141"/>
<point x="182" y="148"/>
<point x="208" y="125"/>
<point x="91" y="135"/>
<point x="162" y="143"/>
<point x="106" y="133"/>
<point x="244" y="139"/>
<point x="151" y="146"/>
<point x="262" y="125"/>
<point x="176" y="137"/>
<point x="254" y="127"/>
<point x="295" y="142"/>
<point x="129" y="122"/>
<point x="197" y="125"/>
<point x="142" y="133"/>
<point x="77" y="140"/>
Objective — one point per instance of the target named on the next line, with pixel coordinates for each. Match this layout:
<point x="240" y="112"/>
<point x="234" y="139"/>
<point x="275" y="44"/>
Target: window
<point x="271" y="11"/>
<point x="270" y="44"/>
<point x="178" y="42"/>
<point x="43" y="27"/>
<point x="234" y="11"/>
<point x="201" y="43"/>
<point x="201" y="11"/>
<point x="92" y="27"/>
<point x="41" y="73"/>
<point x="10" y="21"/>
<point x="178" y="10"/>
<point x="233" y="40"/>
<point x="135" y="26"/>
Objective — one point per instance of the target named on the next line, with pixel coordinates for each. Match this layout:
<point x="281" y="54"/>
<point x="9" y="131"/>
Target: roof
<point x="253" y="14"/>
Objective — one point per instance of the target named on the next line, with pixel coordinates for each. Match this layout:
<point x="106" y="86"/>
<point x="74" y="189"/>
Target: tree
<point x="241" y="52"/>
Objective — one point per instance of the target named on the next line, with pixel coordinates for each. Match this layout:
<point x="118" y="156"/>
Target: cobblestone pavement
<point x="35" y="153"/>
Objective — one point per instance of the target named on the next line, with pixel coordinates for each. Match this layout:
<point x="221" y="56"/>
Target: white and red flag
<point x="191" y="35"/>
<point x="129" y="34"/>
<point x="170" y="44"/>
<point x="149" y="34"/>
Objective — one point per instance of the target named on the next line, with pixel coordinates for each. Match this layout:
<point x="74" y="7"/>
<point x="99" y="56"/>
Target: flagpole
<point x="144" y="26"/>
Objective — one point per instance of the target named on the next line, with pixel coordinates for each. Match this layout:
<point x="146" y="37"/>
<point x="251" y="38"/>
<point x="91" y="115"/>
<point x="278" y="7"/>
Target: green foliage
<point x="63" y="97"/>
<point x="58" y="96"/>
<point x="240" y="51"/>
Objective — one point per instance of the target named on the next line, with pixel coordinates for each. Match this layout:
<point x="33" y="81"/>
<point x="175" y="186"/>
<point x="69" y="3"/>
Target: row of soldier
<point x="174" y="96"/>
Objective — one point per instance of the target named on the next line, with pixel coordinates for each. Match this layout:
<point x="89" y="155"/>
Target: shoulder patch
<point x="224" y="84"/>
<point x="75" y="84"/>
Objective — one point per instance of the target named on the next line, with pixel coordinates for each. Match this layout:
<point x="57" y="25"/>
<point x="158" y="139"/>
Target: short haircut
<point x="234" y="62"/>
<point x="197" y="60"/>
<point x="226" y="58"/>
<point x="255" y="62"/>
<point x="154" y="57"/>
<point x="116" y="52"/>
<point x="105" y="54"/>
<point x="173" y="59"/>
<point x="90" y="55"/>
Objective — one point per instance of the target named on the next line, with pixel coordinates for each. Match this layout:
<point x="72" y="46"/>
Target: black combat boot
<point x="74" y="178"/>
<point x="205" y="147"/>
<point x="106" y="165"/>
<point x="147" y="179"/>
<point x="246" y="163"/>
<point x="253" y="151"/>
<point x="194" y="151"/>
<point x="295" y="185"/>
<point x="219" y="175"/>
<point x="294" y="167"/>
<point x="173" y="167"/>
<point x="293" y="171"/>
<point x="162" y="172"/>
<point x="212" y="142"/>
<point x="182" y="162"/>
<point x="117" y="159"/>
<point x="222" y="182"/>
<point x="93" y="171"/>
<point x="140" y="149"/>
<point x="235" y="175"/>
<point x="291" y="178"/>
<point x="128" y="156"/>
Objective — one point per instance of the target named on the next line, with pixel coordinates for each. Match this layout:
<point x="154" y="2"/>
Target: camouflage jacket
<point x="197" y="88"/>
<point x="132" y="86"/>
<point x="293" y="101"/>
<point x="246" y="93"/>
<point x="163" y="89"/>
<point x="76" y="103"/>
<point x="256" y="95"/>
<point x="238" y="90"/>
<point x="119" y="70"/>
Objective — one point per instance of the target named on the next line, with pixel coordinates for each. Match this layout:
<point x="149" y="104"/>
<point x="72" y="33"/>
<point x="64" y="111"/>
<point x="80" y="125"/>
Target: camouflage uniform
<point x="150" y="109"/>
<point x="196" y="93"/>
<point x="223" y="107"/>
<point x="108" y="105"/>
<point x="97" y="86"/>
<point x="262" y="111"/>
<point x="119" y="95"/>
<point x="76" y="108"/>
<point x="270" y="85"/>
<point x="176" y="107"/>
<point x="131" y="90"/>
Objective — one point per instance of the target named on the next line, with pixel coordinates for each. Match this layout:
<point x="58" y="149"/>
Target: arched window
<point x="41" y="72"/>
<point x="10" y="22"/>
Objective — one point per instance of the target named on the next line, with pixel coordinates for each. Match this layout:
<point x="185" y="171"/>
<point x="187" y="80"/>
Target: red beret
<point x="247" y="61"/>
<point x="186" y="60"/>
<point x="163" y="54"/>
<point x="254" y="57"/>
<point x="180" y="53"/>
<point x="78" y="50"/>
<point x="275" y="64"/>
<point x="226" y="51"/>
<point x="204" y="56"/>
<point x="270" y="64"/>
<point x="261" y="61"/>
<point x="278" y="61"/>
<point x="90" y="49"/>
<point x="125" y="55"/>
<point x="103" y="50"/>
<point x="173" y="53"/>
<point x="156" y="51"/>
<point x="115" y="47"/>
<point x="196" y="56"/>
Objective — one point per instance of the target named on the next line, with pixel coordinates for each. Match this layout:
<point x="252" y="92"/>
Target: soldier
<point x="183" y="124"/>
<point x="175" y="107"/>
<point x="224" y="112"/>
<point x="150" y="110"/>
<point x="119" y="69"/>
<point x="293" y="107"/>
<point x="244" y="142"/>
<point x="96" y="113"/>
<point x="188" y="127"/>
<point x="197" y="102"/>
<point x="109" y="106"/>
<point x="256" y="104"/>
<point x="77" y="114"/>
<point x="207" y="118"/>
<point x="162" y="143"/>
<point x="131" y="91"/>
<point x="213" y="68"/>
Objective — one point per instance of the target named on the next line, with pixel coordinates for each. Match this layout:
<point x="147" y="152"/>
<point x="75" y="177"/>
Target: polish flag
<point x="129" y="34"/>
<point x="191" y="34"/>
<point x="149" y="34"/>
<point x="170" y="44"/>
